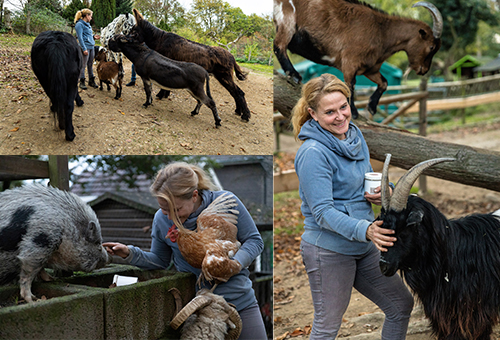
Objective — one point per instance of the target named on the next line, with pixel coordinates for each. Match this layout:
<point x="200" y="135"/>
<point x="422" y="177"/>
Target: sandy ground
<point x="104" y="125"/>
<point x="293" y="312"/>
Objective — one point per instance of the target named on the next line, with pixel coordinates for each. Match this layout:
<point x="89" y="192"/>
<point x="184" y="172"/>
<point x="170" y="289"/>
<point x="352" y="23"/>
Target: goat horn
<point x="197" y="303"/>
<point x="437" y="18"/>
<point x="402" y="189"/>
<point x="385" y="189"/>
<point x="177" y="298"/>
<point x="234" y="317"/>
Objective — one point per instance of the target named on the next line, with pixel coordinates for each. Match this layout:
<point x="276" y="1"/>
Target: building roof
<point x="465" y="61"/>
<point x="143" y="201"/>
<point x="492" y="66"/>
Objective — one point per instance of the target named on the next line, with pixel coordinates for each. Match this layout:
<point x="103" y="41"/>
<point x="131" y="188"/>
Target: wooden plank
<point x="19" y="168"/>
<point x="393" y="98"/>
<point x="285" y="181"/>
<point x="458" y="103"/>
<point x="402" y="110"/>
<point x="58" y="172"/>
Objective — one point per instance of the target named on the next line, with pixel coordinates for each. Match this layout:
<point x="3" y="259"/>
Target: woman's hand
<point x="116" y="249"/>
<point x="376" y="198"/>
<point x="380" y="236"/>
<point x="85" y="52"/>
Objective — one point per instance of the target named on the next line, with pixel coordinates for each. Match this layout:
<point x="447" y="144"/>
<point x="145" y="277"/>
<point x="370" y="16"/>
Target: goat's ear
<point x="414" y="218"/>
<point x="423" y="33"/>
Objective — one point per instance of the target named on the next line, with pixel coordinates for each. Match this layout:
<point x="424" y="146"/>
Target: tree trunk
<point x="473" y="166"/>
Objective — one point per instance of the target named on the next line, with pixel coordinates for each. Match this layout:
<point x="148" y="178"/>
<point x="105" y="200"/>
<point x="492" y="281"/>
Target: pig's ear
<point x="92" y="233"/>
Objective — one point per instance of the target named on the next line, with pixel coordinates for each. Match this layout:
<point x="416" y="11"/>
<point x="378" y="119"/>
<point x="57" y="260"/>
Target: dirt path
<point x="104" y="125"/>
<point x="293" y="312"/>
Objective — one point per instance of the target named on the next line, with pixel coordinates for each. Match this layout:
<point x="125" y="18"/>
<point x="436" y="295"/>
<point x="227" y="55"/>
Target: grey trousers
<point x="88" y="61"/>
<point x="332" y="277"/>
<point x="253" y="325"/>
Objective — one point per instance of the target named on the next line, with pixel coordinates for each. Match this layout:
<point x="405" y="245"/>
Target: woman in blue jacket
<point x="191" y="189"/>
<point x="86" y="40"/>
<point x="341" y="245"/>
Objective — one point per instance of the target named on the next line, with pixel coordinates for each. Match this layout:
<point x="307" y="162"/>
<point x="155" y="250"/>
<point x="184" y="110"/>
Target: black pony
<point x="56" y="59"/>
<point x="215" y="60"/>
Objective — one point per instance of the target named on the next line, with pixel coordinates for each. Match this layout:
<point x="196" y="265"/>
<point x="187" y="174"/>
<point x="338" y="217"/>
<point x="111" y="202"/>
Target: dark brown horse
<point x="215" y="60"/>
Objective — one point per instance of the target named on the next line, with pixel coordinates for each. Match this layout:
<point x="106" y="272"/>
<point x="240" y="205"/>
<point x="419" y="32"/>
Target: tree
<point x="124" y="6"/>
<point x="128" y="168"/>
<point x="104" y="12"/>
<point x="70" y="10"/>
<point x="169" y="15"/>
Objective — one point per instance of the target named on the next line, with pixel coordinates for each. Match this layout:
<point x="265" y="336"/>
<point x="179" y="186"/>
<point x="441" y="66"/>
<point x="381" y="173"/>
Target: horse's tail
<point x="239" y="73"/>
<point x="207" y="80"/>
<point x="59" y="67"/>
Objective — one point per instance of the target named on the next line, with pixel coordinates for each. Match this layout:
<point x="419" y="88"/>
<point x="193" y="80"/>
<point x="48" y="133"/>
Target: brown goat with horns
<point x="353" y="37"/>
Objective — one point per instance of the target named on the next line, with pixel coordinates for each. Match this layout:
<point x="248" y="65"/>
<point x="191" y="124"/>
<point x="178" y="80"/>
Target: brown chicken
<point x="214" y="242"/>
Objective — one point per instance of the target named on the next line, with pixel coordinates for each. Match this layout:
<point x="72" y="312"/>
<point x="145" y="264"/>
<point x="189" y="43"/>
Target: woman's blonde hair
<point x="84" y="12"/>
<point x="312" y="92"/>
<point x="180" y="180"/>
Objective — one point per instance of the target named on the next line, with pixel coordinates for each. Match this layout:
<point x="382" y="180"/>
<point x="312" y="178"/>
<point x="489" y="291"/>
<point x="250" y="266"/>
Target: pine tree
<point x="104" y="12"/>
<point x="70" y="10"/>
<point x="124" y="6"/>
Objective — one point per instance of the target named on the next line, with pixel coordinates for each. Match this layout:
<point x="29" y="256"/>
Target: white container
<point x="124" y="280"/>
<point x="372" y="181"/>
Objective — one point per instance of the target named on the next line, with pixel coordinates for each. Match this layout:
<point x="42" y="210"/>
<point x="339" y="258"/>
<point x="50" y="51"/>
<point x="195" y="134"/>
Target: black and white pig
<point x="46" y="227"/>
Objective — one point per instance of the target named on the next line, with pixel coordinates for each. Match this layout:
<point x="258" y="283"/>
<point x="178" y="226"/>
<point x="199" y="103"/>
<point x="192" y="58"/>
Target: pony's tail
<point x="239" y="73"/>
<point x="58" y="84"/>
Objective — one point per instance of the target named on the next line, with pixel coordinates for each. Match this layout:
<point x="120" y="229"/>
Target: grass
<point x="16" y="41"/>
<point x="258" y="68"/>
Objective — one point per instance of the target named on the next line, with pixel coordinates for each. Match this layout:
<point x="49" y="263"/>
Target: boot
<point x="132" y="83"/>
<point x="92" y="83"/>
<point x="82" y="84"/>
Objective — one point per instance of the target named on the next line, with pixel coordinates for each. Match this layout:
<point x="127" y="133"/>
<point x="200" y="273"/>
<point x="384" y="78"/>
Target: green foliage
<point x="127" y="168"/>
<point x="41" y="19"/>
<point x="168" y="15"/>
<point x="124" y="6"/>
<point x="104" y="12"/>
<point x="69" y="11"/>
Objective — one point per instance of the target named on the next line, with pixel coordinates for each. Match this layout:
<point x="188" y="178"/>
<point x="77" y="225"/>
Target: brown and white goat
<point x="354" y="37"/>
<point x="109" y="72"/>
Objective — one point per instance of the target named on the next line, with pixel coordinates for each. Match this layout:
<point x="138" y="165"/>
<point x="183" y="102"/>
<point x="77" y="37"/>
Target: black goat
<point x="56" y="59"/>
<point x="453" y="266"/>
<point x="166" y="73"/>
<point x="353" y="37"/>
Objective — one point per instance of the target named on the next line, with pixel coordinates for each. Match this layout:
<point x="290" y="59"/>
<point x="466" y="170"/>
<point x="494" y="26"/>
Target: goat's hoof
<point x="245" y="118"/>
<point x="217" y="125"/>
<point x="193" y="113"/>
<point x="79" y="103"/>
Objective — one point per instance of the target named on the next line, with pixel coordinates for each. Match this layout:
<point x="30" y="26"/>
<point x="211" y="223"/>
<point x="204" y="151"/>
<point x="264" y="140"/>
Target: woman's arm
<point x="249" y="237"/>
<point x="79" y="35"/>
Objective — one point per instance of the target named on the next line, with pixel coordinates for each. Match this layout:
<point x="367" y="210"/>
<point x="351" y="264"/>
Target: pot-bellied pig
<point x="46" y="227"/>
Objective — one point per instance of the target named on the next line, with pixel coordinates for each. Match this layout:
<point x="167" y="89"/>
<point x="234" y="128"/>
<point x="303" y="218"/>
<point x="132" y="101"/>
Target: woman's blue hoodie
<point x="238" y="289"/>
<point x="84" y="35"/>
<point x="331" y="174"/>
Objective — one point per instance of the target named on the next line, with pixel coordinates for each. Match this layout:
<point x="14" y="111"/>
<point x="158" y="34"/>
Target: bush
<point x="41" y="20"/>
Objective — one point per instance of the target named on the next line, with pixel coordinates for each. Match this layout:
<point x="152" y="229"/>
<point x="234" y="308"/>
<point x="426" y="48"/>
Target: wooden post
<point x="58" y="172"/>
<point x="422" y="128"/>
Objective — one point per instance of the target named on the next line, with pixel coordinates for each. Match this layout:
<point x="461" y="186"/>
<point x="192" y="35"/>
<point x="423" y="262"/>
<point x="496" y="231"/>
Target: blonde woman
<point x="183" y="191"/>
<point x="86" y="40"/>
<point x="341" y="244"/>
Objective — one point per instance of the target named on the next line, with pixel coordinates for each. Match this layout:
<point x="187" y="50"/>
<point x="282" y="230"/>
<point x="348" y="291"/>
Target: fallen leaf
<point x="14" y="129"/>
<point x="282" y="336"/>
<point x="121" y="112"/>
<point x="27" y="152"/>
<point x="18" y="111"/>
<point x="297" y="332"/>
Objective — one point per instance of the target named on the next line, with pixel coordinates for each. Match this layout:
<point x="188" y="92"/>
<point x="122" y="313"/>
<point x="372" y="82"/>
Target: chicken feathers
<point x="212" y="245"/>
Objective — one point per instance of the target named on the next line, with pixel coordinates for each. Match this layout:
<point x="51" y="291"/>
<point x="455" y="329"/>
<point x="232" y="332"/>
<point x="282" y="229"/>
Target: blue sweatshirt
<point x="84" y="35"/>
<point x="331" y="174"/>
<point x="238" y="289"/>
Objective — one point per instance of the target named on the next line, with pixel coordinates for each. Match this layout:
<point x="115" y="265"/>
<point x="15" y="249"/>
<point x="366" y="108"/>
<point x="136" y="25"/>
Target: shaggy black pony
<point x="453" y="266"/>
<point x="215" y="60"/>
<point x="56" y="59"/>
